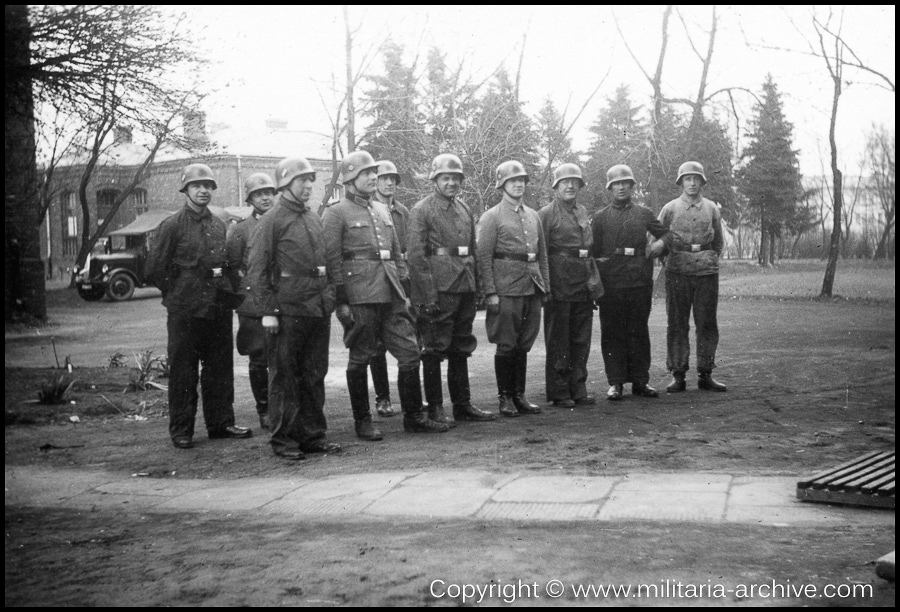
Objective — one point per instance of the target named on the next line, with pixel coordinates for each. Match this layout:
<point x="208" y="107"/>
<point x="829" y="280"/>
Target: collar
<point x="511" y="203"/>
<point x="444" y="200"/>
<point x="624" y="206"/>
<point x="197" y="212"/>
<point x="292" y="204"/>
<point x="569" y="207"/>
<point x="358" y="199"/>
<point x="692" y="203"/>
<point x="389" y="204"/>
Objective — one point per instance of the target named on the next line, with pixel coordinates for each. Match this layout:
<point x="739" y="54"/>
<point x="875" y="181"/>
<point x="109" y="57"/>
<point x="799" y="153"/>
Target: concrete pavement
<point x="477" y="495"/>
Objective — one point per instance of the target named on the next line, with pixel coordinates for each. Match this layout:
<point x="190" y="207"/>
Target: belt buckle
<point x="320" y="270"/>
<point x="463" y="251"/>
<point x="404" y="256"/>
<point x="695" y="248"/>
<point x="582" y="253"/>
<point x="384" y="254"/>
<point x="629" y="251"/>
<point x="216" y="272"/>
<point x="532" y="257"/>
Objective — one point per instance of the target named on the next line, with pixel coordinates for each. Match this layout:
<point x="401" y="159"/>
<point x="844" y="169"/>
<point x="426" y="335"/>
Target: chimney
<point x="122" y="135"/>
<point x="195" y="126"/>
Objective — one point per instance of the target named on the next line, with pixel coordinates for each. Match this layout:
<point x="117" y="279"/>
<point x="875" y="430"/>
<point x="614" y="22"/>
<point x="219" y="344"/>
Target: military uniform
<point x="692" y="280"/>
<point x="251" y="336"/>
<point x="443" y="272"/>
<point x="575" y="284"/>
<point x="378" y="364"/>
<point x="287" y="273"/>
<point x="620" y="243"/>
<point x="512" y="264"/>
<point x="188" y="264"/>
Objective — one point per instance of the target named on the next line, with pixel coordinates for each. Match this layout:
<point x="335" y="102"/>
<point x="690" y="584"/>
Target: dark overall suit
<point x="287" y="273"/>
<point x="575" y="284"/>
<point x="188" y="264"/>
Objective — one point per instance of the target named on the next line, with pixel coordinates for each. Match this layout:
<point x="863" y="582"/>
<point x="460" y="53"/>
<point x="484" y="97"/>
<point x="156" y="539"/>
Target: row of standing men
<point x="406" y="282"/>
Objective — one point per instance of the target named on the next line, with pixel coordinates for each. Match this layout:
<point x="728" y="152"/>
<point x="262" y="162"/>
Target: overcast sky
<point x="281" y="62"/>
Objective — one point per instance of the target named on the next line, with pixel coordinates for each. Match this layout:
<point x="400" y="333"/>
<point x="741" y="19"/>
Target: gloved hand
<point x="431" y="309"/>
<point x="270" y="324"/>
<point x="492" y="303"/>
<point x="345" y="316"/>
<point x="546" y="298"/>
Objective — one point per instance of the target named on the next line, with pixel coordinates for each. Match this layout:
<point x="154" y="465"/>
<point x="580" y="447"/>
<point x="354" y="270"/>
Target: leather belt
<point x="317" y="272"/>
<point x="197" y="273"/>
<point x="629" y="252"/>
<point x="693" y="248"/>
<point x="380" y="255"/>
<point x="568" y="252"/>
<point x="462" y="251"/>
<point x="526" y="257"/>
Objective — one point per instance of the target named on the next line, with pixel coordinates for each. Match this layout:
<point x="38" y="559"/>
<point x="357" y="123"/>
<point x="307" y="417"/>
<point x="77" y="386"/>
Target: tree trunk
<point x="351" y="111"/>
<point x="881" y="251"/>
<point x="24" y="269"/>
<point x="838" y="186"/>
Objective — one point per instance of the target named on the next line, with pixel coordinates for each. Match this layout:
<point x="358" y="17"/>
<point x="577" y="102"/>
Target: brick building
<point x="62" y="226"/>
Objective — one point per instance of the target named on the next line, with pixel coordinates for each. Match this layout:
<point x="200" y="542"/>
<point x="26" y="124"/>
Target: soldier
<point x="442" y="271"/>
<point x="251" y="336"/>
<point x="289" y="281"/>
<point x="365" y="266"/>
<point x="188" y="263"/>
<point x="575" y="285"/>
<point x="388" y="179"/>
<point x="620" y="246"/>
<point x="692" y="279"/>
<point x="512" y="266"/>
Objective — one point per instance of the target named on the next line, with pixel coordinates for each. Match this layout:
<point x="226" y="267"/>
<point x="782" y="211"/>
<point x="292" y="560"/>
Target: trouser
<point x="449" y="332"/>
<point x="251" y="341"/>
<point x="515" y="326"/>
<point x="298" y="363"/>
<point x="702" y="294"/>
<point x="625" y="335"/>
<point x="390" y="324"/>
<point x="192" y="342"/>
<point x="567" y="335"/>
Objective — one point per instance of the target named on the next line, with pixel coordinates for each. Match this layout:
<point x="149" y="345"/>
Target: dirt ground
<point x="811" y="384"/>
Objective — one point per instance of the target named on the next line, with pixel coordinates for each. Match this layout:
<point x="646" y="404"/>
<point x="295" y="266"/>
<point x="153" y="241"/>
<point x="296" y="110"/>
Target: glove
<point x="546" y="298"/>
<point x="345" y="316"/>
<point x="431" y="309"/>
<point x="270" y="324"/>
<point x="492" y="303"/>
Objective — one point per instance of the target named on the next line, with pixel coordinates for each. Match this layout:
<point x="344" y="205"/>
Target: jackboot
<point x="707" y="383"/>
<point x="521" y="374"/>
<point x="677" y="385"/>
<point x="358" y="386"/>
<point x="460" y="393"/>
<point x="643" y="390"/>
<point x="434" y="397"/>
<point x="504" y="368"/>
<point x="378" y="366"/>
<point x="415" y="419"/>
<point x="259" y="384"/>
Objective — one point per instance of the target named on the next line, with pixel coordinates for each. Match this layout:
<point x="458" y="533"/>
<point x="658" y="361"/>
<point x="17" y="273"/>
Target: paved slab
<point x="473" y="494"/>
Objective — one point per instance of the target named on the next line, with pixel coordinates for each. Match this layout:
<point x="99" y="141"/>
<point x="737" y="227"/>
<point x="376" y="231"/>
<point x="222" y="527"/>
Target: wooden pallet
<point x="865" y="481"/>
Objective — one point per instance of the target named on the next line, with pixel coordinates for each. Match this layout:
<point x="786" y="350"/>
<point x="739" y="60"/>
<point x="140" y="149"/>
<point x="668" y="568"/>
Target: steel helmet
<point x="355" y="163"/>
<point x="193" y="173"/>
<point x="690" y="167"/>
<point x="510" y="169"/>
<point x="619" y="172"/>
<point x="290" y="168"/>
<point x="257" y="181"/>
<point x="446" y="163"/>
<point x="567" y="171"/>
<point x="387" y="168"/>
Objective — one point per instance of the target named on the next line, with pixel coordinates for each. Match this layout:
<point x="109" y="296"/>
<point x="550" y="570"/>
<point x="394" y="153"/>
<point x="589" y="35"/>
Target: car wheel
<point x="91" y="295"/>
<point x="121" y="288"/>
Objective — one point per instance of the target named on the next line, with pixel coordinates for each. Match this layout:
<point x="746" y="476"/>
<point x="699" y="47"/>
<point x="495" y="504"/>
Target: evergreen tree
<point x="620" y="138"/>
<point x="712" y="148"/>
<point x="555" y="146"/>
<point x="771" y="179"/>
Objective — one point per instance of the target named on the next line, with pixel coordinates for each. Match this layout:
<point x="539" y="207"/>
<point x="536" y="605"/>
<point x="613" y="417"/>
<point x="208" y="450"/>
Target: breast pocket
<point x="358" y="235"/>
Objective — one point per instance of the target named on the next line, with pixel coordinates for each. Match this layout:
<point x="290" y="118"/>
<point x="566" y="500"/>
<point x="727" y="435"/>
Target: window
<point x="139" y="202"/>
<point x="105" y="200"/>
<point x="70" y="224"/>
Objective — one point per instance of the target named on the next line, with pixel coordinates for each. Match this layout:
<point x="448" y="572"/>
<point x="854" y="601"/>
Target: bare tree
<point x="880" y="157"/>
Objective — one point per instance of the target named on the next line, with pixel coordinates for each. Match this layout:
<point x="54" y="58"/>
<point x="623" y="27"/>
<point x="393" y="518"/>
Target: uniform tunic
<point x="575" y="284"/>
<point x="442" y="272"/>
<point x="366" y="268"/>
<point x="692" y="281"/>
<point x="620" y="242"/>
<point x="188" y="264"/>
<point x="287" y="274"/>
<point x="512" y="264"/>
